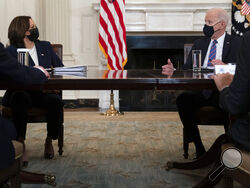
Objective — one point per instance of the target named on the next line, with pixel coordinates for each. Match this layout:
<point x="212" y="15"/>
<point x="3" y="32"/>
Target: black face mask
<point x="208" y="30"/>
<point x="34" y="34"/>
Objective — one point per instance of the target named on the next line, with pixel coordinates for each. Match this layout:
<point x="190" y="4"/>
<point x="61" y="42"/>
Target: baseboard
<point x="81" y="103"/>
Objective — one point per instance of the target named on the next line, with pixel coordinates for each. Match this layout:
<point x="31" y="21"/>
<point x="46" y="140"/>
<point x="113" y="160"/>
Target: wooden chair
<point x="38" y="115"/>
<point x="207" y="115"/>
<point x="17" y="176"/>
<point x="214" y="155"/>
<point x="13" y="172"/>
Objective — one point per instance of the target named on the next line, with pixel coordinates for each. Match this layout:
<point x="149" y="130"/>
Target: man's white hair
<point x="221" y="13"/>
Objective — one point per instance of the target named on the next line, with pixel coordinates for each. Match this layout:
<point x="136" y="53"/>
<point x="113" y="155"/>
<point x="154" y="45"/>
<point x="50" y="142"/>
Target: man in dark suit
<point x="11" y="70"/>
<point x="217" y="48"/>
<point x="235" y="96"/>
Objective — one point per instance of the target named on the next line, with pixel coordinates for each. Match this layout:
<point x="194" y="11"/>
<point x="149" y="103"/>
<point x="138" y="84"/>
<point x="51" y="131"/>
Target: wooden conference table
<point x="117" y="80"/>
<point x="123" y="80"/>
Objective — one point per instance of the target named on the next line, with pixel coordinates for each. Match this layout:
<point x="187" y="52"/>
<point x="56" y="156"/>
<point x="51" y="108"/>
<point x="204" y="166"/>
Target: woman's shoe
<point x="48" y="149"/>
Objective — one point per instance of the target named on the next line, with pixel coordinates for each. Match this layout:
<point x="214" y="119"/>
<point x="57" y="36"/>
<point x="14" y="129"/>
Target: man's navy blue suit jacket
<point x="13" y="71"/>
<point x="230" y="49"/>
<point x="236" y="98"/>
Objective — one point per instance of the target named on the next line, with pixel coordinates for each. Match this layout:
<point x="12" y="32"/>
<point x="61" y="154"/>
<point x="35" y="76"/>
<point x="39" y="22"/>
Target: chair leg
<point x="213" y="177"/>
<point x="206" y="182"/>
<point x="185" y="144"/>
<point x="228" y="182"/>
<point x="203" y="161"/>
<point x="13" y="174"/>
<point x="60" y="139"/>
<point x="15" y="181"/>
<point x="35" y="178"/>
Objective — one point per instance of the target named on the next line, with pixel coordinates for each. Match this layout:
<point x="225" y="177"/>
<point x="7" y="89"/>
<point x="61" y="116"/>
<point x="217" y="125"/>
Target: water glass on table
<point x="196" y="59"/>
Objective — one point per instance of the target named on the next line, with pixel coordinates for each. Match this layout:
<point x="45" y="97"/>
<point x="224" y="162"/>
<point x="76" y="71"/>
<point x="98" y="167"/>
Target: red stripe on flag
<point x="103" y="44"/>
<point x="112" y="21"/>
<point x="114" y="74"/>
<point x="110" y="15"/>
<point x="118" y="10"/>
<point x="245" y="8"/>
<point x="121" y="74"/>
<point x="110" y="40"/>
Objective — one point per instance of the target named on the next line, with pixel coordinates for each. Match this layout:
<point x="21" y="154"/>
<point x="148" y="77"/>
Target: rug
<point x="117" y="152"/>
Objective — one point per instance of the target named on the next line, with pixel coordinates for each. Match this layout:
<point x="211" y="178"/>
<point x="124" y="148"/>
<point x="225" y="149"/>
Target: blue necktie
<point x="212" y="53"/>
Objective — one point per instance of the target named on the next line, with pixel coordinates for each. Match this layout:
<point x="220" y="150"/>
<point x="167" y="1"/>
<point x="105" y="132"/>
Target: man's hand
<point x="223" y="80"/>
<point x="168" y="69"/>
<point x="217" y="62"/>
<point x="43" y="70"/>
<point x="168" y="73"/>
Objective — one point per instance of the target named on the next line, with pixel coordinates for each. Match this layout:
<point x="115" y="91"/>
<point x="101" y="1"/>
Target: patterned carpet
<point x="117" y="152"/>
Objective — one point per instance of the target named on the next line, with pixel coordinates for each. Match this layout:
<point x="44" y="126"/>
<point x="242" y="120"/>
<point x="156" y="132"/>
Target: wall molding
<point x="167" y="17"/>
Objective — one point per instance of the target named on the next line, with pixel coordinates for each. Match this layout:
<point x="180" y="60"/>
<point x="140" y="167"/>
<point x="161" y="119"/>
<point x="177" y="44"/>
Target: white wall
<point x="12" y="8"/>
<point x="85" y="39"/>
<point x="85" y="33"/>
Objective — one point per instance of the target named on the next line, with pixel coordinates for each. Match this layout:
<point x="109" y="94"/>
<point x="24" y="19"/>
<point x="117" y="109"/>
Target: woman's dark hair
<point x="16" y="33"/>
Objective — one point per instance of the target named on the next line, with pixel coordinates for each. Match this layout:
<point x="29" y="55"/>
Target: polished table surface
<point x="127" y="80"/>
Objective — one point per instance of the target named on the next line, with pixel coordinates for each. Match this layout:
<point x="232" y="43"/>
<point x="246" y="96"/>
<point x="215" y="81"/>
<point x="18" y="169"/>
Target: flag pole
<point x="112" y="111"/>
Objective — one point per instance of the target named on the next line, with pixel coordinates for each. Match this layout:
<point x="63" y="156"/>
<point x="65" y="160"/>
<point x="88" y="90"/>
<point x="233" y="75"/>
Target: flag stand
<point x="112" y="111"/>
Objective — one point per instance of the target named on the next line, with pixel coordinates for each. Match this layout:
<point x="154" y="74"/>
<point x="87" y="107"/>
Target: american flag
<point x="245" y="10"/>
<point x="115" y="74"/>
<point x="112" y="33"/>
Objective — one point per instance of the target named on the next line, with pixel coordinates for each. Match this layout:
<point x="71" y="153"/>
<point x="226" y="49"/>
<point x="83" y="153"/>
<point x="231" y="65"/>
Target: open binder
<point x="70" y="69"/>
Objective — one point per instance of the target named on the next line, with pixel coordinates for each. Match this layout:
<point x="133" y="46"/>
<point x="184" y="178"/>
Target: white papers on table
<point x="70" y="69"/>
<point x="79" y="74"/>
<point x="221" y="69"/>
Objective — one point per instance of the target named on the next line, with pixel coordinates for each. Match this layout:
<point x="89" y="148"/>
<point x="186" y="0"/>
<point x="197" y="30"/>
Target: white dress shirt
<point x="33" y="55"/>
<point x="219" y="50"/>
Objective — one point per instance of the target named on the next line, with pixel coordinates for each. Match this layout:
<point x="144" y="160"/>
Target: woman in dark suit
<point x="23" y="33"/>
